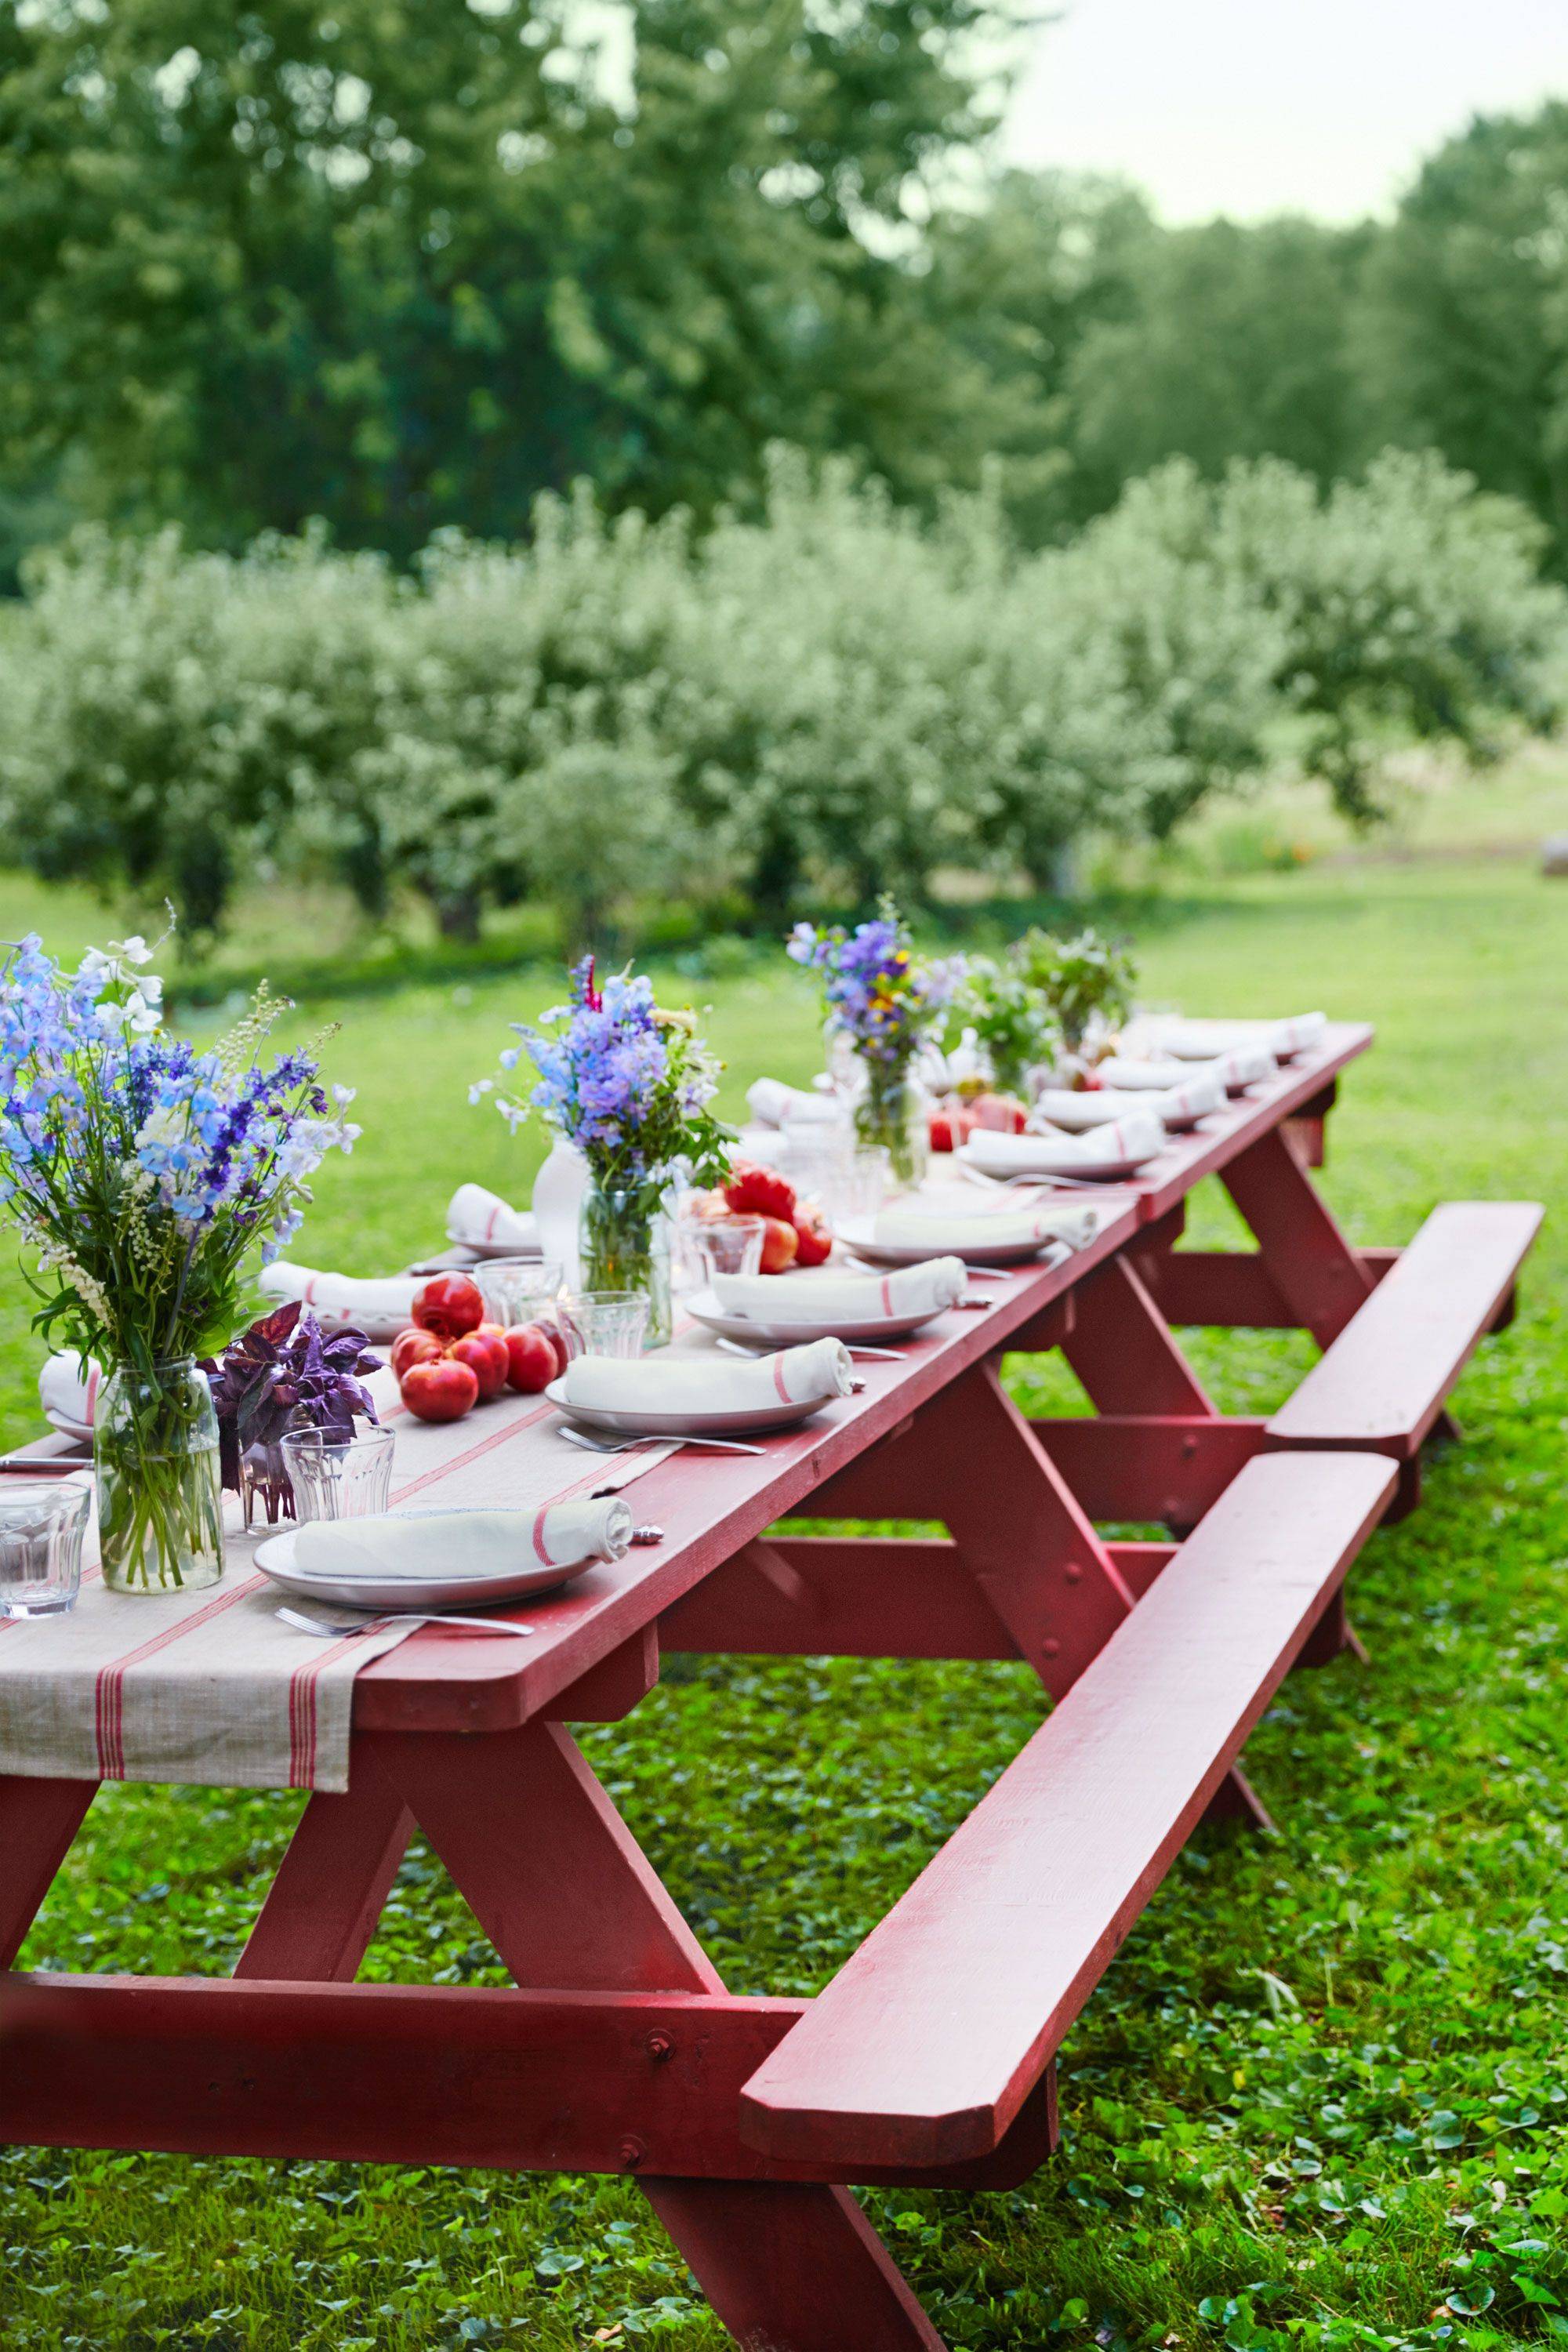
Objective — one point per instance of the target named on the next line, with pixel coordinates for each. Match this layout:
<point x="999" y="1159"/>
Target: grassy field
<point x="1319" y="2100"/>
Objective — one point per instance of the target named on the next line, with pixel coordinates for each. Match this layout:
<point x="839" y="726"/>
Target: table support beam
<point x="1314" y="1269"/>
<point x="38" y="1821"/>
<point x="1168" y="1468"/>
<point x="1122" y="1349"/>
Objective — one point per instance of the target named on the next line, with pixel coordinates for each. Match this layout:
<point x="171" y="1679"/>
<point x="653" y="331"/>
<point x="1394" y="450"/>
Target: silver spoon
<point x="378" y="1618"/>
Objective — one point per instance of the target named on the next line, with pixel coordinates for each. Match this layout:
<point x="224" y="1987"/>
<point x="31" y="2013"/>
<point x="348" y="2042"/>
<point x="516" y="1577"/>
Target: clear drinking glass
<point x="334" y="1480"/>
<point x="603" y="1322"/>
<point x="518" y="1290"/>
<point x="728" y="1244"/>
<point x="41" y="1528"/>
<point x="865" y="1184"/>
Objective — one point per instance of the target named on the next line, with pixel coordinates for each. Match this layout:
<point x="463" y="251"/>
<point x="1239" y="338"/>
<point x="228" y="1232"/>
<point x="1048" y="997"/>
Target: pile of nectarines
<point x="450" y="1359"/>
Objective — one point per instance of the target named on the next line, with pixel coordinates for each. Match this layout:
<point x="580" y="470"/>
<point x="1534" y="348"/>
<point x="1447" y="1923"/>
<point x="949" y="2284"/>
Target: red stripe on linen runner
<point x="485" y="1445"/>
<point x="109" y="1693"/>
<point x="302" y="1709"/>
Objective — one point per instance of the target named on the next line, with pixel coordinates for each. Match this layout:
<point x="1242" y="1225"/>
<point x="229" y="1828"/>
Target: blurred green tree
<point x="1462" y="328"/>
<point x="406" y="262"/>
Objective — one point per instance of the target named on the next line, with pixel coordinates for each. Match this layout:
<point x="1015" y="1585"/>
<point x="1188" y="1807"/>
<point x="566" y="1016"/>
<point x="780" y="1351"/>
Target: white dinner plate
<point x="800" y="1330"/>
<point x="738" y="1421"/>
<point x="1093" y="1172"/>
<point x="400" y="1594"/>
<point x="80" y="1430"/>
<point x="856" y="1234"/>
<point x="482" y="1252"/>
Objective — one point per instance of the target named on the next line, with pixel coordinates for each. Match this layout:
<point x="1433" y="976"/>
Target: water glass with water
<point x="41" y="1528"/>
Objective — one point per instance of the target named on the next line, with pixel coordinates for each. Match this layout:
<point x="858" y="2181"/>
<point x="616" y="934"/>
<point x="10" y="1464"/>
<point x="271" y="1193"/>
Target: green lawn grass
<point x="1319" y="2097"/>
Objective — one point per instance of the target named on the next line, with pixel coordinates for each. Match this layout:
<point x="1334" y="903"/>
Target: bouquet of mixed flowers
<point x="1013" y="1021"/>
<point x="145" y="1175"/>
<point x="629" y="1083"/>
<point x="885" y="1004"/>
<point x="1085" y="980"/>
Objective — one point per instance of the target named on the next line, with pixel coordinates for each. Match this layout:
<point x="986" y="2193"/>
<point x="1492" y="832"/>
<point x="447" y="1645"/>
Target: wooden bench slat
<point x="1383" y="1382"/>
<point x="926" y="2043"/>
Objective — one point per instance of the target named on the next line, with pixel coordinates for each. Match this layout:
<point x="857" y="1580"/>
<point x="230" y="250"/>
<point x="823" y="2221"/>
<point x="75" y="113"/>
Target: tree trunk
<point x="457" y="914"/>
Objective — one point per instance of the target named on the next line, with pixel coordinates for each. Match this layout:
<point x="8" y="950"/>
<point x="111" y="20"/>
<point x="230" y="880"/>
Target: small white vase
<point x="558" y="1190"/>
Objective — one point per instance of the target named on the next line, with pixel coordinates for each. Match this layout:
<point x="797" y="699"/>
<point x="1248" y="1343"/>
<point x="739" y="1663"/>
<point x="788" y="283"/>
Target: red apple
<point x="485" y="1354"/>
<point x="780" y="1243"/>
<point x="449" y="1306"/>
<point x="1003" y="1113"/>
<point x="442" y="1390"/>
<point x="532" y="1359"/>
<point x="759" y="1191"/>
<point x="813" y="1240"/>
<point x="413" y="1347"/>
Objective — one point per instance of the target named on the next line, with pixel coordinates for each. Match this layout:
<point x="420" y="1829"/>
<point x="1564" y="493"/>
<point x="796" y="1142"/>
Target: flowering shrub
<point x="624" y="1081"/>
<point x="142" y="1173"/>
<point x="831" y="696"/>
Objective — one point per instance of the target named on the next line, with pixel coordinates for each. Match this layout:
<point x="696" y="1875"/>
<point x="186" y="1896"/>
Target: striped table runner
<point x="208" y="1687"/>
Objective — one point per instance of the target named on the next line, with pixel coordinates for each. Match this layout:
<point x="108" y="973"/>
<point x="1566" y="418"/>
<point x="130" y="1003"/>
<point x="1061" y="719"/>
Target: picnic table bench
<point x="929" y="2058"/>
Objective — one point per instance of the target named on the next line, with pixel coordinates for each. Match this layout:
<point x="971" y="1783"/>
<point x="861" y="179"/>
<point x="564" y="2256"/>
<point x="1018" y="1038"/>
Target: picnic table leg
<point x="322" y="1906"/>
<point x="38" y="1821"/>
<point x="564" y="1893"/>
<point x="1125" y="1353"/>
<point x="1314" y="1269"/>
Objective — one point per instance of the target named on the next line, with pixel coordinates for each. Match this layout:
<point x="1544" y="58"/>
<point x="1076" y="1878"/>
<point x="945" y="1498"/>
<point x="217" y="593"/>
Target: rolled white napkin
<point x="1201" y="1041"/>
<point x="923" y="1289"/>
<point x="1198" y="1093"/>
<point x="773" y="1104"/>
<point x="68" y="1389"/>
<point x="693" y="1384"/>
<point x="484" y="1220"/>
<point x="372" y="1304"/>
<point x="1246" y="1066"/>
<point x="416" y="1544"/>
<point x="1127" y="1074"/>
<point x="1001" y="1228"/>
<point x="1137" y="1135"/>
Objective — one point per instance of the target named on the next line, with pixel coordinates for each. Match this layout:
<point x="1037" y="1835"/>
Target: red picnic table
<point x="929" y="2058"/>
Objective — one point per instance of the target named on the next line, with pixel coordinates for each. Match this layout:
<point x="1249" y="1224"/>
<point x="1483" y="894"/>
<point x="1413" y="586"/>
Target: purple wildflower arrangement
<point x="143" y="1173"/>
<point x="283" y="1374"/>
<point x="878" y="996"/>
<point x="626" y="1082"/>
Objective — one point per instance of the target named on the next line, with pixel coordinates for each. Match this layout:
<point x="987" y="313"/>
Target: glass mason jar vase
<point x="890" y="1114"/>
<point x="622" y="1244"/>
<point x="155" y="1467"/>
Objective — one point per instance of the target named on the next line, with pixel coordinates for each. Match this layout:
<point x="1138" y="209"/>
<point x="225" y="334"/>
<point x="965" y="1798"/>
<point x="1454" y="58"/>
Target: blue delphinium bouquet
<point x="626" y="1082"/>
<point x="629" y="1083"/>
<point x="144" y="1176"/>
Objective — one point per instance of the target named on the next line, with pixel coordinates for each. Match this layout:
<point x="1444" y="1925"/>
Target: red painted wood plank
<point x="1313" y="1264"/>
<point x="1171" y="1468"/>
<point x="1220" y="1139"/>
<point x="1230" y="1289"/>
<point x="521" y="2082"/>
<point x="38" y="1821"/>
<point x="925" y="2043"/>
<point x="322" y="1905"/>
<point x="856" y="1597"/>
<point x="1383" y="1382"/>
<point x="1121" y="1349"/>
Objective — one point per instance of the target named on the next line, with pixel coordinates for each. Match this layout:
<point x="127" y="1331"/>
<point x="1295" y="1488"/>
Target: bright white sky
<point x="1248" y="107"/>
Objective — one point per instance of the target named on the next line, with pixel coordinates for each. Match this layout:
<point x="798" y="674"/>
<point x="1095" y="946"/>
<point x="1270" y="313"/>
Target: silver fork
<point x="378" y="1618"/>
<point x="625" y="1444"/>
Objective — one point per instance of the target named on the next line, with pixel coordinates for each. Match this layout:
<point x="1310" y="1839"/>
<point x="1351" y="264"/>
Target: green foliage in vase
<point x="1014" y="1019"/>
<point x="1084" y="979"/>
